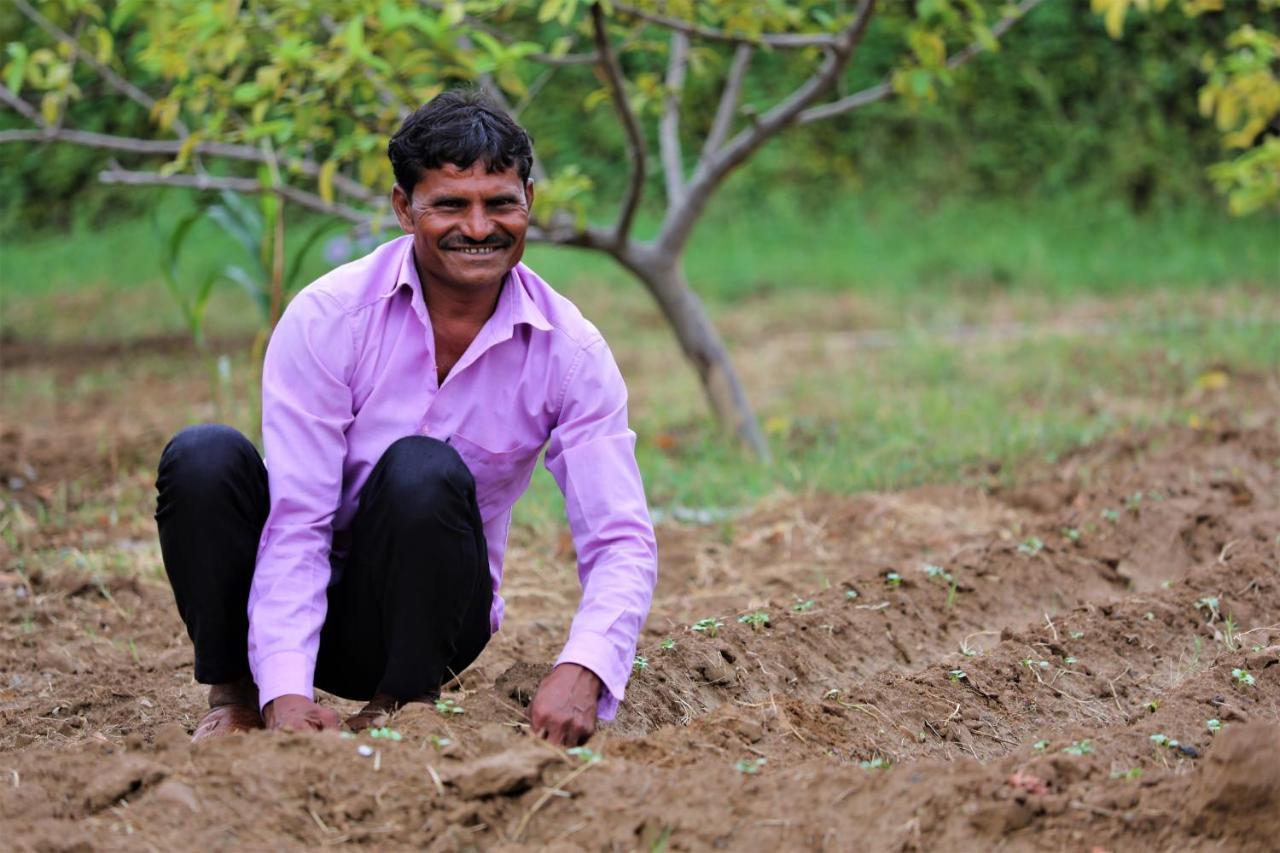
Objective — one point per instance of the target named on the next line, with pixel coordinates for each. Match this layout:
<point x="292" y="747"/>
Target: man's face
<point x="468" y="225"/>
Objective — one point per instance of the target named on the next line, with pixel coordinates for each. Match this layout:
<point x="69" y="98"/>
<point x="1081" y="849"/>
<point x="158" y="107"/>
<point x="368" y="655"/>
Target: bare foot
<point x="378" y="710"/>
<point x="233" y="709"/>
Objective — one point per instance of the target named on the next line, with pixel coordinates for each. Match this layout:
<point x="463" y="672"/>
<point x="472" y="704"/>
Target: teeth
<point x="478" y="250"/>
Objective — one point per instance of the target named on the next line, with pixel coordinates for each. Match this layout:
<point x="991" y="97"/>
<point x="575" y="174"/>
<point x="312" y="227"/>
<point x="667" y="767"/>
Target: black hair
<point x="461" y="127"/>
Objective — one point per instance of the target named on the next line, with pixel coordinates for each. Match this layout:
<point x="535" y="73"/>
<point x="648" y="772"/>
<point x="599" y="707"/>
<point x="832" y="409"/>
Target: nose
<point x="476" y="225"/>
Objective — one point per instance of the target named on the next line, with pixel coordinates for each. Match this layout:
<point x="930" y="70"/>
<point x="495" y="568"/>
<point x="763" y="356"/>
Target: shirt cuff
<point x="598" y="654"/>
<point x="284" y="673"/>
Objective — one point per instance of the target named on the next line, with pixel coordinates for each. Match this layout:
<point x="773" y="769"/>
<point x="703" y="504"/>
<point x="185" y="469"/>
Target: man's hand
<point x="564" y="710"/>
<point x="293" y="713"/>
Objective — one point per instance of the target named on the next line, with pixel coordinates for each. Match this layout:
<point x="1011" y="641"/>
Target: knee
<point x="202" y="457"/>
<point x="422" y="477"/>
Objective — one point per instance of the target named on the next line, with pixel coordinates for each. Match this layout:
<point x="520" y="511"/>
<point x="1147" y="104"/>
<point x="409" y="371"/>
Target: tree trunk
<point x="664" y="278"/>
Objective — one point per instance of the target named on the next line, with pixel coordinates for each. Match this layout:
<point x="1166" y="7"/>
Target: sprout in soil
<point x="1076" y="635"/>
<point x="1243" y="676"/>
<point x="802" y="606"/>
<point x="385" y="733"/>
<point x="1031" y="547"/>
<point x="756" y="620"/>
<point x="1032" y="664"/>
<point x="1080" y="747"/>
<point x="586" y="754"/>
<point x="1209" y="603"/>
<point x="1153" y="705"/>
<point x="1071" y="533"/>
<point x="1214" y="726"/>
<point x="936" y="572"/>
<point x="1163" y="740"/>
<point x="956" y="674"/>
<point x="709" y="626"/>
<point x="1040" y="745"/>
<point x="667" y="645"/>
<point x="750" y="766"/>
<point x="1230" y="637"/>
<point x="640" y="663"/>
<point x="893" y="579"/>
<point x="1111" y="515"/>
<point x="850" y="594"/>
<point x="439" y="742"/>
<point x="447" y="707"/>
<point x="1069" y="660"/>
<point x="876" y="763"/>
<point x="1131" y="774"/>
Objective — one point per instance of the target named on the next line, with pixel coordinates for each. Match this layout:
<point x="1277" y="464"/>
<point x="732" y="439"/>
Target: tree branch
<point x="723" y="122"/>
<point x="712" y="170"/>
<point x="171" y="147"/>
<point x="635" y="141"/>
<point x="669" y="127"/>
<point x="239" y="185"/>
<point x="884" y="90"/>
<point x="783" y="40"/>
<point x="20" y="106"/>
<point x="111" y="77"/>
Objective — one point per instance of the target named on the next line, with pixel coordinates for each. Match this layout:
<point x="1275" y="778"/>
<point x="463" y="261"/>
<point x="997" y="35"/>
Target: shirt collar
<point x="515" y="306"/>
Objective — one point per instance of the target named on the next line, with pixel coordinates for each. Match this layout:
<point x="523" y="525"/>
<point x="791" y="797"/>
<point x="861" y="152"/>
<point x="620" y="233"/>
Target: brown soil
<point x="1119" y="594"/>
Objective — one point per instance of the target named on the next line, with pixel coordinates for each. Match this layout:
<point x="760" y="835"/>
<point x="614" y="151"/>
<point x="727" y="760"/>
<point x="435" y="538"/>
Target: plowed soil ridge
<point x="1087" y="658"/>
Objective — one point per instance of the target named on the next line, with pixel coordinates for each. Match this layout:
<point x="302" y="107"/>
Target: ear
<point x="528" y="193"/>
<point x="400" y="204"/>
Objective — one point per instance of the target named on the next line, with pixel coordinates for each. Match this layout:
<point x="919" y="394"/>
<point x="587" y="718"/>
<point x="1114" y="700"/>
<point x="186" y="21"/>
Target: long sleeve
<point x="592" y="457"/>
<point x="306" y="409"/>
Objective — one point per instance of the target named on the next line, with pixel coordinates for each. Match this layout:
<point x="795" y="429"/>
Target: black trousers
<point x="408" y="606"/>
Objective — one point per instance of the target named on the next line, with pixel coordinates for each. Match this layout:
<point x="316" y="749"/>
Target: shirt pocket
<point x="501" y="476"/>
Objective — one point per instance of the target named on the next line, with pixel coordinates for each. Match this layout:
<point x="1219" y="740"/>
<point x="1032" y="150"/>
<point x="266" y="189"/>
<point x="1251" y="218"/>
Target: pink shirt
<point x="351" y="368"/>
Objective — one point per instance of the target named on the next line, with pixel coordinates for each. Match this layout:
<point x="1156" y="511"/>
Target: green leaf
<point x="17" y="70"/>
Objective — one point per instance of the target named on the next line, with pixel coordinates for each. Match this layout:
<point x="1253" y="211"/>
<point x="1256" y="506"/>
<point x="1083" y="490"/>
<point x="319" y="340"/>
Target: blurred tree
<point x="296" y="99"/>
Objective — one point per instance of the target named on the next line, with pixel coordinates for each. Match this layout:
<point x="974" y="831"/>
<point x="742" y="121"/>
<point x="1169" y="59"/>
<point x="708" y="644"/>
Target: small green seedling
<point x="1076" y="635"/>
<point x="1244" y="677"/>
<point x="1134" y="501"/>
<point x="667" y="645"/>
<point x="1029" y="663"/>
<point x="1214" y="726"/>
<point x="1031" y="547"/>
<point x="893" y="579"/>
<point x="1149" y="616"/>
<point x="1153" y="705"/>
<point x="1132" y="774"/>
<point x="1230" y="635"/>
<point x="1072" y="533"/>
<point x="385" y="733"/>
<point x="439" y="742"/>
<point x="936" y="572"/>
<point x="586" y="754"/>
<point x="1209" y="603"/>
<point x="876" y="763"/>
<point x="1111" y="515"/>
<point x="1080" y="747"/>
<point x="1160" y="739"/>
<point x="1040" y="745"/>
<point x="850" y="594"/>
<point x="756" y="620"/>
<point x="750" y="766"/>
<point x="956" y="675"/>
<point x="640" y="663"/>
<point x="802" y="606"/>
<point x="448" y="707"/>
<point x="1069" y="660"/>
<point x="709" y="626"/>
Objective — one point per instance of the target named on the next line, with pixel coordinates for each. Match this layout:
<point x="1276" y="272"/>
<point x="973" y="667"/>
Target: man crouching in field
<point x="405" y="399"/>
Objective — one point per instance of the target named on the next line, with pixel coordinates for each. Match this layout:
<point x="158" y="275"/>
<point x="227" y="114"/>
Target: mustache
<point x="459" y="242"/>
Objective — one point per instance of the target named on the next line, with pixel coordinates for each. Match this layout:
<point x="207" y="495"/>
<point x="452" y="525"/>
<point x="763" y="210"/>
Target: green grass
<point x="1181" y="293"/>
<point x="908" y="260"/>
